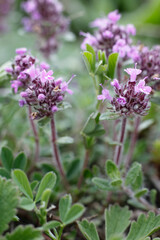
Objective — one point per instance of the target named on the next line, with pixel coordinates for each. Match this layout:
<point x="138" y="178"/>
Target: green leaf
<point x="67" y="213"/>
<point x="26" y="233"/>
<point x="102" y="184"/>
<point x="74" y="213"/>
<point x="65" y="140"/>
<point x="116" y="183"/>
<point x="27" y="204"/>
<point x="8" y="203"/>
<point x="64" y="206"/>
<point x="112" y="170"/>
<point x="145" y="124"/>
<point x="141" y="192"/>
<point x="22" y="182"/>
<point x="48" y="181"/>
<point x="116" y="221"/>
<point x="7" y="158"/>
<point x="34" y="184"/>
<point x="51" y="225"/>
<point x="64" y="106"/>
<point x="92" y="127"/>
<point x="153" y="194"/>
<point x="91" y="50"/>
<point x="4" y="173"/>
<point x="109" y="116"/>
<point x="73" y="169"/>
<point x="20" y="161"/>
<point x="89" y="61"/>
<point x="45" y="196"/>
<point x="144" y="227"/>
<point x="88" y="230"/>
<point x="133" y="173"/>
<point x="112" y="64"/>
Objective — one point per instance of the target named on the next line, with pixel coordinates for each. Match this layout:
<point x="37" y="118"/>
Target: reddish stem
<point x="55" y="148"/>
<point x="133" y="141"/>
<point x="35" y="133"/>
<point x="121" y="141"/>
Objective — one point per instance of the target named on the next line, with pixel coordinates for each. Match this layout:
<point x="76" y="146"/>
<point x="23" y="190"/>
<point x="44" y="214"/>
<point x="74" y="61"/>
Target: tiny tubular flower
<point x="133" y="72"/>
<point x="140" y="87"/>
<point x="114" y="16"/>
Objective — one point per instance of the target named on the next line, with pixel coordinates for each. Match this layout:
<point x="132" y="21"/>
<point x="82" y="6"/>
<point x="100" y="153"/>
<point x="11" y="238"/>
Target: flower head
<point x="45" y="18"/>
<point x="130" y="98"/>
<point x="110" y="36"/>
<point x="45" y="93"/>
<point x="19" y="70"/>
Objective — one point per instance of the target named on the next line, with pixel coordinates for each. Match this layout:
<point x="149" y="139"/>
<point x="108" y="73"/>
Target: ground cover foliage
<point x="79" y="122"/>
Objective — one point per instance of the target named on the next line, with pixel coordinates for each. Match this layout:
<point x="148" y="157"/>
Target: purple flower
<point x="121" y="100"/>
<point x="20" y="67"/>
<point x="130" y="28"/>
<point x="15" y="84"/>
<point x="114" y="16"/>
<point x="22" y="102"/>
<point x="116" y="84"/>
<point x="133" y="72"/>
<point x="100" y="23"/>
<point x="45" y="18"/>
<point x="107" y="34"/>
<point x="130" y="98"/>
<point x="41" y="97"/>
<point x="121" y="47"/>
<point x="110" y="36"/>
<point x="140" y="87"/>
<point x="21" y="51"/>
<point x="89" y="39"/>
<point x="54" y="109"/>
<point x="45" y="93"/>
<point x="105" y="95"/>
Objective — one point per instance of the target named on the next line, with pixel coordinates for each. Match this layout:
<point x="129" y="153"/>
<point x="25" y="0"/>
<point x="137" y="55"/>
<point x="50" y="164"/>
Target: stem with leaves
<point x="119" y="148"/>
<point x="133" y="141"/>
<point x="35" y="133"/>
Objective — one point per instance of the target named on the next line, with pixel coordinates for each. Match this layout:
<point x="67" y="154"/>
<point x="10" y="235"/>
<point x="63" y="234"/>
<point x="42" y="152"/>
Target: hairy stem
<point x="85" y="164"/>
<point x="133" y="141"/>
<point x="35" y="133"/>
<point x="55" y="148"/>
<point x="119" y="148"/>
<point x="142" y="200"/>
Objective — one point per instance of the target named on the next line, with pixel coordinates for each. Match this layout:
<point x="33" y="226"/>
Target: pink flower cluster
<point x="45" y="93"/>
<point x="45" y="18"/>
<point x="130" y="98"/>
<point x="110" y="36"/>
<point x="40" y="89"/>
<point x="22" y="62"/>
<point x="148" y="60"/>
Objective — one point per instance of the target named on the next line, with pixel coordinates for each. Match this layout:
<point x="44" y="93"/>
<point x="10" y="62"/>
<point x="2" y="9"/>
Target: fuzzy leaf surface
<point x="48" y="181"/>
<point x="89" y="230"/>
<point x="8" y="203"/>
<point x="26" y="233"/>
<point x="144" y="227"/>
<point x="116" y="221"/>
<point x="20" y="178"/>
